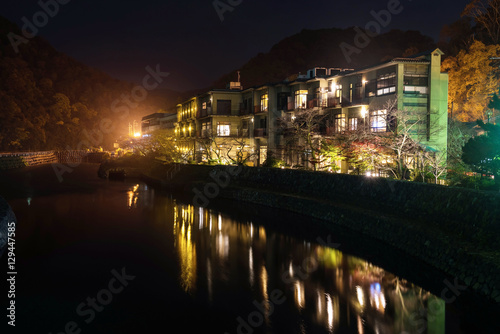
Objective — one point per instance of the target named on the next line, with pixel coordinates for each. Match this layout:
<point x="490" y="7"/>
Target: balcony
<point x="260" y="132"/>
<point x="258" y="109"/>
<point x="334" y="102"/>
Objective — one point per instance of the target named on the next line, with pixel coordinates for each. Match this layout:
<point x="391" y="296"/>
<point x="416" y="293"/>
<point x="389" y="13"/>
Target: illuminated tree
<point x="473" y="78"/>
<point x="302" y="135"/>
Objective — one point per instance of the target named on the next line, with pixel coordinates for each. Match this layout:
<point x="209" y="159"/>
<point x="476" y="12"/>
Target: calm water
<point x="114" y="257"/>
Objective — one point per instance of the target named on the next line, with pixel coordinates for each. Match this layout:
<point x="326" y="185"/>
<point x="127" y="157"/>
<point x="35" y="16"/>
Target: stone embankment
<point x="453" y="229"/>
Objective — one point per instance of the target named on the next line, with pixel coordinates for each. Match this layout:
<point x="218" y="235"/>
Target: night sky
<point x="189" y="40"/>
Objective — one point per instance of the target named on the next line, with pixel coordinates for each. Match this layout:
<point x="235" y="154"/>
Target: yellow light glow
<point x="137" y="134"/>
<point x="363" y="111"/>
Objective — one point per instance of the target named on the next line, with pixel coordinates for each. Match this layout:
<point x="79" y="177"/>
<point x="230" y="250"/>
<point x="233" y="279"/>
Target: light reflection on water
<point x="326" y="287"/>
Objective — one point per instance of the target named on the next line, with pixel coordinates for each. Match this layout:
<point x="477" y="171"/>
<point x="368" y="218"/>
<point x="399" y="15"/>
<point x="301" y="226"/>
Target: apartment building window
<point x="351" y="92"/>
<point x="371" y="88"/>
<point x="204" y="106"/>
<point x="322" y="97"/>
<point x="301" y="99"/>
<point x="223" y="129"/>
<point x="244" y="128"/>
<point x="338" y="93"/>
<point x="206" y="128"/>
<point x="416" y="83"/>
<point x="378" y="121"/>
<point x="223" y="107"/>
<point x="283" y="101"/>
<point x="386" y="84"/>
<point x="264" y="100"/>
<point x="340" y="123"/>
<point x="358" y="88"/>
<point x="353" y="124"/>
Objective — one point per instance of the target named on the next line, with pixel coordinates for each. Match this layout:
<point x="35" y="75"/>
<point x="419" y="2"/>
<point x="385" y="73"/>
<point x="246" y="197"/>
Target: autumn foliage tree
<point x="473" y="79"/>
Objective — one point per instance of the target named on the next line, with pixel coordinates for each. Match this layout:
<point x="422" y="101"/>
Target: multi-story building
<point x="350" y="99"/>
<point x="157" y="121"/>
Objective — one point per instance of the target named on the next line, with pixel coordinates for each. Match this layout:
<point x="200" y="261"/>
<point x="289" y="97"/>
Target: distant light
<point x="137" y="134"/>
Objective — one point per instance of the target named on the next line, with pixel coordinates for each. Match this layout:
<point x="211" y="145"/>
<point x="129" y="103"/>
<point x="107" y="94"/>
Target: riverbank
<point x="454" y="230"/>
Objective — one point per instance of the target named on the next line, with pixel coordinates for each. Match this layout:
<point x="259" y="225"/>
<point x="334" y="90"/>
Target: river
<point x="99" y="256"/>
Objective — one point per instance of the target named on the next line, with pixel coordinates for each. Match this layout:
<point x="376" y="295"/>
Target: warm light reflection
<point x="300" y="298"/>
<point x="213" y="250"/>
<point x="361" y="296"/>
<point x="329" y="311"/>
<point x="377" y="298"/>
<point x="187" y="253"/>
<point x="250" y="266"/>
<point x="132" y="196"/>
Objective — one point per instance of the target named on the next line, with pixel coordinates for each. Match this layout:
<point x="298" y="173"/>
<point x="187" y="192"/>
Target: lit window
<point x="223" y="129"/>
<point x="386" y="84"/>
<point x="264" y="100"/>
<point x="340" y="123"/>
<point x="204" y="106"/>
<point x="300" y="99"/>
<point x="378" y="121"/>
<point x="353" y="124"/>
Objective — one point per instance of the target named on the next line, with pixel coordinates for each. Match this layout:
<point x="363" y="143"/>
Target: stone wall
<point x="19" y="160"/>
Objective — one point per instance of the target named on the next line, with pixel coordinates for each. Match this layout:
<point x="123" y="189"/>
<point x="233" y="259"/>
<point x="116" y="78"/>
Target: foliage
<point x="486" y="13"/>
<point x="48" y="99"/>
<point x="303" y="136"/>
<point x="482" y="152"/>
<point x="472" y="79"/>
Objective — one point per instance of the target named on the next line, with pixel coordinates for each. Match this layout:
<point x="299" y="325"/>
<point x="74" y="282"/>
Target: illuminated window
<point x="353" y="124"/>
<point x="264" y="100"/>
<point x="322" y="96"/>
<point x="340" y="123"/>
<point x="205" y="129"/>
<point x="386" y="84"/>
<point x="416" y="83"/>
<point x="338" y="93"/>
<point x="378" y="121"/>
<point x="300" y="99"/>
<point x="223" y="129"/>
<point x="204" y="106"/>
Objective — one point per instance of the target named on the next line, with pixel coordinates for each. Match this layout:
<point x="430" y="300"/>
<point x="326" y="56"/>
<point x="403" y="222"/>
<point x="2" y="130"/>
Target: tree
<point x="486" y="13"/>
<point x="483" y="152"/>
<point x="435" y="162"/>
<point x="472" y="79"/>
<point x="302" y="135"/>
<point x="406" y="128"/>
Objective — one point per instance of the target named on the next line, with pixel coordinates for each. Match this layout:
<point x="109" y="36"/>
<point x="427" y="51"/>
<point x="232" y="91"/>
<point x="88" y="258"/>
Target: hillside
<point x="50" y="101"/>
<point x="312" y="48"/>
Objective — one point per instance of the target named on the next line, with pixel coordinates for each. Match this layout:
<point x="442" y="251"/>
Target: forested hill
<point x="312" y="48"/>
<point x="50" y="101"/>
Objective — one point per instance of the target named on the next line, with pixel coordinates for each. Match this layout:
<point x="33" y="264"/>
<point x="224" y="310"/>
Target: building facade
<point x="246" y="120"/>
